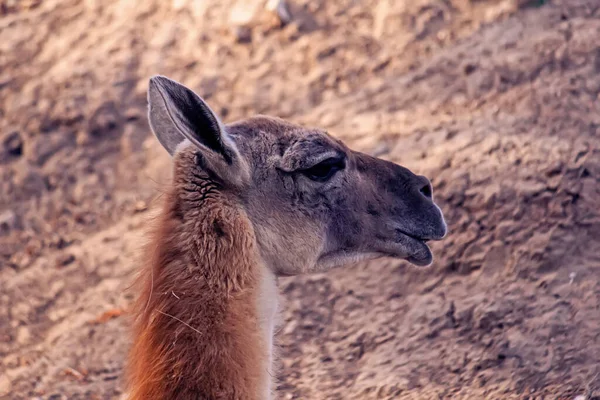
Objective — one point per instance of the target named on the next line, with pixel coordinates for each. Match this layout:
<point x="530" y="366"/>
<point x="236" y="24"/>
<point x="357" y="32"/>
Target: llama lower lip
<point x="423" y="259"/>
<point x="416" y="250"/>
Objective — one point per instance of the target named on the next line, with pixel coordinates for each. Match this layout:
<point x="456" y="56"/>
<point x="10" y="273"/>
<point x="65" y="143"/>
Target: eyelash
<point x="324" y="170"/>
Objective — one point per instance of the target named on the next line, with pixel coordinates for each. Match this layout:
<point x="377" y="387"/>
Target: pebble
<point x="23" y="335"/>
<point x="64" y="260"/>
<point x="243" y="34"/>
<point x="14" y="144"/>
<point x="5" y="385"/>
<point x="140" y="206"/>
<point x="8" y="220"/>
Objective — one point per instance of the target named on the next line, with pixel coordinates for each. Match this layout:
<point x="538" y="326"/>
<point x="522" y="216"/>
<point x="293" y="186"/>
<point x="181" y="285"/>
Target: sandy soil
<point x="496" y="101"/>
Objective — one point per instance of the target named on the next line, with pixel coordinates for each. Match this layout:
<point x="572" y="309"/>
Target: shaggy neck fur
<point x="204" y="319"/>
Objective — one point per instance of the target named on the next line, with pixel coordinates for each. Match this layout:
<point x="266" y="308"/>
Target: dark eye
<point x="325" y="169"/>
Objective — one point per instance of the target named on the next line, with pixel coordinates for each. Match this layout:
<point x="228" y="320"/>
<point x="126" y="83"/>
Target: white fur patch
<point x="267" y="314"/>
<point x="182" y="145"/>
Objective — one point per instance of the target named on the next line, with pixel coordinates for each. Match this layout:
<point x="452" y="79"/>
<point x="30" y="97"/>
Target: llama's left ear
<point x="177" y="113"/>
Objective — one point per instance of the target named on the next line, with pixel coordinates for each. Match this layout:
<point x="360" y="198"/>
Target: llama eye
<point x="325" y="169"/>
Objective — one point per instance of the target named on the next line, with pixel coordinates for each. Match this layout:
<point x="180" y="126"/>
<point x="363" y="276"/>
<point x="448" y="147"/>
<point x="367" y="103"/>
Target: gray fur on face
<point x="365" y="210"/>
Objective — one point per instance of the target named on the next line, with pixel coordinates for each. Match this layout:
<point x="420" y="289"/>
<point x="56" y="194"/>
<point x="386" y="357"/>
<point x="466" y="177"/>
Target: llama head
<point x="314" y="204"/>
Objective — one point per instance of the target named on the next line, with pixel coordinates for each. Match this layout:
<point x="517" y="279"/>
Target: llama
<point x="251" y="201"/>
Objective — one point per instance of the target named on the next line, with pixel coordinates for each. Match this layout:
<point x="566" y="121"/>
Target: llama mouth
<point x="399" y="245"/>
<point x="414" y="248"/>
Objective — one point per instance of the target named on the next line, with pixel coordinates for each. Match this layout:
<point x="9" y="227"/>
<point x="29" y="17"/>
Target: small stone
<point x="281" y="9"/>
<point x="23" y="335"/>
<point x="8" y="220"/>
<point x="14" y="144"/>
<point x="64" y="260"/>
<point x="243" y="34"/>
<point x="5" y="385"/>
<point x="140" y="206"/>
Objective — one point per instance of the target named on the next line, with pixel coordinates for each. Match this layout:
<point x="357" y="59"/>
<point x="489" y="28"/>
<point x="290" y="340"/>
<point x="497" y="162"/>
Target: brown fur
<point x="196" y="333"/>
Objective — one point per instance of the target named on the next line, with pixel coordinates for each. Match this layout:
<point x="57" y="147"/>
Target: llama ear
<point x="176" y="113"/>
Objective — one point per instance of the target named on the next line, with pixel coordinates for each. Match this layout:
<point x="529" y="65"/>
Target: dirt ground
<point x="496" y="101"/>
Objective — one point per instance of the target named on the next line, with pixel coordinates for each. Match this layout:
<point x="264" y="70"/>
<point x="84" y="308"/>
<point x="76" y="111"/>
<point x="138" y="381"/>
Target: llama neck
<point x="205" y="319"/>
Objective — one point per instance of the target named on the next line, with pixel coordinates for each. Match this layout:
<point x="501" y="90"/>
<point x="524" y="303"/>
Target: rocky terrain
<point x="497" y="101"/>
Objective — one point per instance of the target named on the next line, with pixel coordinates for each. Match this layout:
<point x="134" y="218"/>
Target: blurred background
<point x="495" y="100"/>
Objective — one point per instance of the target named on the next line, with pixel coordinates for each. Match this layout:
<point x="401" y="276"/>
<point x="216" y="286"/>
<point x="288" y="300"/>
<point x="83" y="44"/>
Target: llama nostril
<point x="427" y="190"/>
